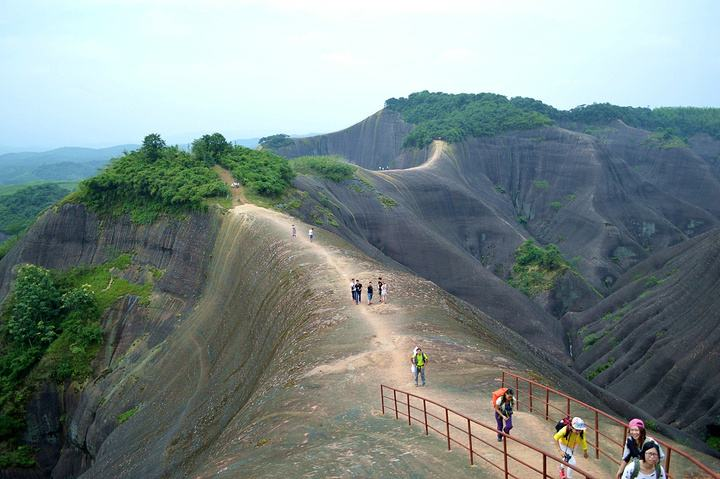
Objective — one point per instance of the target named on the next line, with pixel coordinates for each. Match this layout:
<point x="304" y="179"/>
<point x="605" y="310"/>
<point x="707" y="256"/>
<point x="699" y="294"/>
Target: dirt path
<point x="238" y="195"/>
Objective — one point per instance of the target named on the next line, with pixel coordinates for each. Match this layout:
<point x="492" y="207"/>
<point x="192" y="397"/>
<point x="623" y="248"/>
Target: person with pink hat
<point x="636" y="440"/>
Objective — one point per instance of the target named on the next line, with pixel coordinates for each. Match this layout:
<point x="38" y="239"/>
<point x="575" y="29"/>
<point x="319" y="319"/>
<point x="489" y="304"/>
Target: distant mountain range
<point x="68" y="163"/>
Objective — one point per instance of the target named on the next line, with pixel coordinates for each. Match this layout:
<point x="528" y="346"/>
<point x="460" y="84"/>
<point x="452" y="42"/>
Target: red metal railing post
<point x="597" y="436"/>
<point x="547" y="404"/>
<point x="568" y="405"/>
<point x="507" y="473"/>
<point x="544" y="466"/>
<point x="395" y="399"/>
<point x="447" y="427"/>
<point x="667" y="460"/>
<point x="408" y="405"/>
<point x="425" y="414"/>
<point x="502" y="385"/>
<point x="530" y="395"/>
<point x="382" y="399"/>
<point x="517" y="392"/>
<point x="470" y="442"/>
<point x="622" y="442"/>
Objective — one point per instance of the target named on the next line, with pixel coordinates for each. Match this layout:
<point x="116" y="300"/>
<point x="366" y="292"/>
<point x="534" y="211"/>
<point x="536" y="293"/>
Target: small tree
<point x="210" y="148"/>
<point x="153" y="146"/>
<point x="34" y="309"/>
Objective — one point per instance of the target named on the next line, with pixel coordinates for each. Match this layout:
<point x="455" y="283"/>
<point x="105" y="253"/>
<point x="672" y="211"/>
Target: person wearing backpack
<point x="647" y="466"/>
<point x="567" y="438"/>
<point x="503" y="403"/>
<point x="634" y="444"/>
<point x="419" y="359"/>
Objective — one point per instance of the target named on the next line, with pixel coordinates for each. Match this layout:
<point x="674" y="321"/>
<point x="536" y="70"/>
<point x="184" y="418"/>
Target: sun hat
<point x="578" y="424"/>
<point x="636" y="423"/>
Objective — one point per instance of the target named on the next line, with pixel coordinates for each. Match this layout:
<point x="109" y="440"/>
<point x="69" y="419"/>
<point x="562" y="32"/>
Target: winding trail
<point x="385" y="358"/>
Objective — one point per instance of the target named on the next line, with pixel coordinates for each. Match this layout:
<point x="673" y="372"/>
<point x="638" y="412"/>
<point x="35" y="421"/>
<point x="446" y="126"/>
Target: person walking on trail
<point x="420" y="360"/>
<point x="353" y="291"/>
<point x="383" y="293"/>
<point x="293" y="232"/>
<point x="358" y="291"/>
<point x="311" y="234"/>
<point x="636" y="440"/>
<point x="380" y="285"/>
<point x="370" y="293"/>
<point x="647" y="466"/>
<point x="567" y="438"/>
<point x="503" y="403"/>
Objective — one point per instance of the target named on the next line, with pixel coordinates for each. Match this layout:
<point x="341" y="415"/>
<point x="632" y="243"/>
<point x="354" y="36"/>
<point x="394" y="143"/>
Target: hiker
<point x="370" y="293"/>
<point x="353" y="291"/>
<point x="413" y="368"/>
<point x="380" y="285"/>
<point x="634" y="444"/>
<point x="358" y="291"/>
<point x="383" y="293"/>
<point x="293" y="232"/>
<point x="503" y="403"/>
<point x="647" y="466"/>
<point x="310" y="234"/>
<point x="419" y="359"/>
<point x="567" y="438"/>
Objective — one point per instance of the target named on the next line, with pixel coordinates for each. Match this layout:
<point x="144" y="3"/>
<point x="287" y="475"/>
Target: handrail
<point x="401" y="408"/>
<point x="569" y="399"/>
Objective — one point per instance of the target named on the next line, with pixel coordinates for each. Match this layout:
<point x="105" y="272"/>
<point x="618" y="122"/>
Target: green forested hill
<point x="453" y="117"/>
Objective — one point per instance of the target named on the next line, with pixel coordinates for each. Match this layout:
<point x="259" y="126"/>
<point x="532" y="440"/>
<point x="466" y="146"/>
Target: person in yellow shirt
<point x="567" y="438"/>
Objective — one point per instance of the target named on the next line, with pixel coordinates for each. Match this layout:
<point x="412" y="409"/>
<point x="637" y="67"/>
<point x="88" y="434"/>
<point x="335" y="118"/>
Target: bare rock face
<point x="654" y="340"/>
<point x="374" y="143"/>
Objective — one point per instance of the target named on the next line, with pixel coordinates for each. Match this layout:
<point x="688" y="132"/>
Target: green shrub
<point x="127" y="414"/>
<point x="536" y="269"/>
<point x="150" y="182"/>
<point x="22" y="456"/>
<point x="386" y="201"/>
<point x="714" y="442"/>
<point x="332" y="168"/>
<point x="276" y="141"/>
<point x="264" y="173"/>
<point x="594" y="373"/>
<point x="541" y="184"/>
<point x="556" y="205"/>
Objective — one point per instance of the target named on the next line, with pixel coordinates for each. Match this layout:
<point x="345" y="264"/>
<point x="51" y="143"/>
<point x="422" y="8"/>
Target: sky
<point x="108" y="72"/>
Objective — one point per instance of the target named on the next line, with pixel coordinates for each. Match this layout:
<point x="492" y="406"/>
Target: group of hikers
<point x="642" y="455"/>
<point x="356" y="289"/>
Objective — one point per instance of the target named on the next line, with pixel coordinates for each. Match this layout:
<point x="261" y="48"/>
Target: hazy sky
<point x="106" y="72"/>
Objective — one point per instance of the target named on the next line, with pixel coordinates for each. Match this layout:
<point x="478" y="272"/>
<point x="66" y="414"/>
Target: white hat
<point x="578" y="424"/>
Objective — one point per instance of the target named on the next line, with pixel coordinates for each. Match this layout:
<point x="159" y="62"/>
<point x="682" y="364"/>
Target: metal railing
<point x="478" y="439"/>
<point x="538" y="394"/>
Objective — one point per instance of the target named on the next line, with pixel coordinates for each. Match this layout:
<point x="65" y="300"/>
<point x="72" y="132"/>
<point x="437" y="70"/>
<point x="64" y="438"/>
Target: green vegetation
<point x="541" y="184"/>
<point x="210" y="148"/>
<point x="454" y="117"/>
<point x="275" y="141"/>
<point x="651" y="281"/>
<point x="332" y="168"/>
<point x="594" y="373"/>
<point x="590" y="339"/>
<point x="50" y="330"/>
<point x="500" y="189"/>
<point x="714" y="442"/>
<point x="386" y="201"/>
<point x="665" y="139"/>
<point x="556" y="205"/>
<point x="152" y="181"/>
<point x="127" y="414"/>
<point x="262" y="172"/>
<point x="20" y="208"/>
<point x="536" y="269"/>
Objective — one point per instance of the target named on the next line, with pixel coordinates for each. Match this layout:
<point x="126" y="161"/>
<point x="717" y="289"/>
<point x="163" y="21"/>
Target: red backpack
<point x="496" y="394"/>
